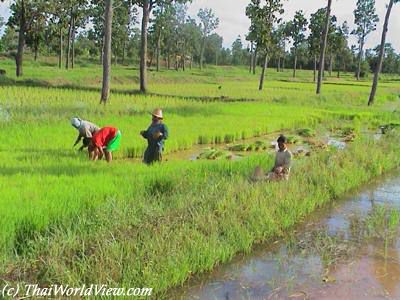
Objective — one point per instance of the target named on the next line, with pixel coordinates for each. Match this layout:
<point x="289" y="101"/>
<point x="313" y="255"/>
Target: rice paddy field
<point x="67" y="220"/>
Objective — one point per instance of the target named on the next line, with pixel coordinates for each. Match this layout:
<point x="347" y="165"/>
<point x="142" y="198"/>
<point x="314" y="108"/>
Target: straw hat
<point x="157" y="113"/>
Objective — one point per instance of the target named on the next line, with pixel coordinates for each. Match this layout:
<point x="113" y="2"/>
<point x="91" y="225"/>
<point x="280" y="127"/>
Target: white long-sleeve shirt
<point x="283" y="159"/>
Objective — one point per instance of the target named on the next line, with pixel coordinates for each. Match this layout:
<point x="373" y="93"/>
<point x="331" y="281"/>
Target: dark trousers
<point x="152" y="155"/>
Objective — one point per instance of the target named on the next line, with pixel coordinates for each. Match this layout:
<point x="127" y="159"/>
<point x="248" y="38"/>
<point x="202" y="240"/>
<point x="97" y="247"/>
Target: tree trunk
<point x="123" y="52"/>
<point x="279" y="64"/>
<point x="69" y="42"/>
<point x="251" y="57"/>
<point x="102" y="49"/>
<point x="295" y="65"/>
<point x="36" y="47"/>
<point x="151" y="60"/>
<point x="255" y="60"/>
<point x="265" y="65"/>
<point x="283" y="63"/>
<point x="323" y="47"/>
<point x="105" y="91"/>
<point x="168" y="61"/>
<point x="21" y="40"/>
<point x="315" y="68"/>
<point x="381" y="54"/>
<point x="158" y="50"/>
<point x="73" y="44"/>
<point x="360" y="56"/>
<point x="203" y="45"/>
<point x="183" y="62"/>
<point x="128" y="29"/>
<point x="60" y="56"/>
<point x="330" y="64"/>
<point x="216" y="57"/>
<point x="143" y="50"/>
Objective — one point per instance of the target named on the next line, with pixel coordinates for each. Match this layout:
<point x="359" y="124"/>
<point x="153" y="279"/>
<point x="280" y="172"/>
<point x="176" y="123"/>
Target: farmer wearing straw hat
<point x="104" y="142"/>
<point x="156" y="134"/>
<point x="86" y="131"/>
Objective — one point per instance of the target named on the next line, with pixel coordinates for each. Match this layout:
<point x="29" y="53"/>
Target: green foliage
<point x="263" y="19"/>
<point x="296" y="28"/>
<point x="366" y="19"/>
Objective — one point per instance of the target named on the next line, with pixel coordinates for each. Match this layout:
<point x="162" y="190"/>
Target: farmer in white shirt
<point x="86" y="131"/>
<point x="283" y="160"/>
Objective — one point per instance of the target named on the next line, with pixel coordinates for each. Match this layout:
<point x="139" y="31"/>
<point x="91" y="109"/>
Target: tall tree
<point x="1" y="29"/>
<point x="35" y="35"/>
<point x="163" y="16"/>
<point x="280" y="37"/>
<point x="252" y="36"/>
<point x="147" y="7"/>
<point x="124" y="18"/>
<point x="381" y="52"/>
<point x="316" y="28"/>
<point x="58" y="11"/>
<point x="105" y="91"/>
<point x="296" y="30"/>
<point x="209" y="22"/>
<point x="23" y="13"/>
<point x="212" y="49"/>
<point x="340" y="46"/>
<point x="77" y="11"/>
<point x="263" y="18"/>
<point x="365" y="18"/>
<point x="314" y="39"/>
<point x="191" y="35"/>
<point x="238" y="53"/>
<point x="323" y="46"/>
<point x="96" y="33"/>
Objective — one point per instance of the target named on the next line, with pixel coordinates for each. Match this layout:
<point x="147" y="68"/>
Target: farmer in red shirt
<point x="104" y="142"/>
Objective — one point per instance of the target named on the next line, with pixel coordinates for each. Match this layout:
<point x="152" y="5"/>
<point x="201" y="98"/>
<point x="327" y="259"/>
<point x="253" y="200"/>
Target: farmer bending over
<point x="104" y="142"/>
<point x="155" y="135"/>
<point x="283" y="160"/>
<point x="86" y="131"/>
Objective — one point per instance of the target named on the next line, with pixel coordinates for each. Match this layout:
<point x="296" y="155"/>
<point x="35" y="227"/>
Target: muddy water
<point x="329" y="256"/>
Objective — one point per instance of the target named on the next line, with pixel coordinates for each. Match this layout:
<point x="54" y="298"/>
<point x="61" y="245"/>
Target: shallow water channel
<point x="331" y="255"/>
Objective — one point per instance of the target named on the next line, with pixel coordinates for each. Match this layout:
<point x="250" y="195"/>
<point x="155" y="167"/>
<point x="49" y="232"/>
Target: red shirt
<point x="102" y="137"/>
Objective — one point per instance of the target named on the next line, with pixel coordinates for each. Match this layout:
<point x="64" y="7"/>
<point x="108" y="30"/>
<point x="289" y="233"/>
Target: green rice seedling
<point x="218" y="140"/>
<point x="306" y="132"/>
<point x="251" y="147"/>
<point x="203" y="140"/>
<point x="260" y="145"/>
<point x="229" y="138"/>
<point x="239" y="147"/>
<point x="292" y="139"/>
<point x="213" y="154"/>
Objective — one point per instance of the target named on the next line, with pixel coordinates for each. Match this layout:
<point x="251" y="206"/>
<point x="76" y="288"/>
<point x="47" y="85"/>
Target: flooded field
<point x="348" y="250"/>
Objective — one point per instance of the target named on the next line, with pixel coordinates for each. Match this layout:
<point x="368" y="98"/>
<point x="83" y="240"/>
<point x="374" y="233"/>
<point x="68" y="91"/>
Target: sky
<point x="233" y="21"/>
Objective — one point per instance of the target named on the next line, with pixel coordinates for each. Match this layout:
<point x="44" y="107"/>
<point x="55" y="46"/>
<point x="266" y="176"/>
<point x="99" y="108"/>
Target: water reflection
<point x="345" y="251"/>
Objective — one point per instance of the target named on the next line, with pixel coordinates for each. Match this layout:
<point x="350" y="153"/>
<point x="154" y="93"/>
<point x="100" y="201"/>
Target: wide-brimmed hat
<point x="76" y="122"/>
<point x="157" y="113"/>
